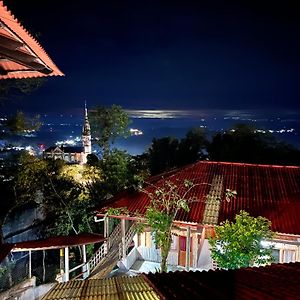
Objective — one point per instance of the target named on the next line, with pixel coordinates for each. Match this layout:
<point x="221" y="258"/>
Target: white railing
<point x="98" y="256"/>
<point x="114" y="237"/>
<point x="128" y="239"/>
<point x="101" y="253"/>
<point x="113" y="240"/>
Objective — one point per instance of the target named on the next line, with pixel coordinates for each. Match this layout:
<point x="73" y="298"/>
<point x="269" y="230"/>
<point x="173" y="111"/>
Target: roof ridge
<point x="14" y="18"/>
<point x="245" y="164"/>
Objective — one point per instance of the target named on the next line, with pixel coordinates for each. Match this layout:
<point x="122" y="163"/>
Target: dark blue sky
<point x="178" y="54"/>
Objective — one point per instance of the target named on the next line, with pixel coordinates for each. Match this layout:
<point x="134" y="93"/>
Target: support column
<point x="188" y="249"/>
<point x="67" y="264"/>
<point x="123" y="233"/>
<point x="195" y="250"/>
<point x="29" y="267"/>
<point x="202" y="240"/>
<point x="106" y="227"/>
<point x="85" y="269"/>
<point x="61" y="261"/>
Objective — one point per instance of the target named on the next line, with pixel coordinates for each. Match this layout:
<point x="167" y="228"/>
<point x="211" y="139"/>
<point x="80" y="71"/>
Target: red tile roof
<point x="277" y="281"/>
<point x="262" y="190"/>
<point x="51" y="243"/>
<point x="21" y="56"/>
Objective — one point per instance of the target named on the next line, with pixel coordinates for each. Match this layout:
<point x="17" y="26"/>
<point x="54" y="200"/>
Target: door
<point x="182" y="251"/>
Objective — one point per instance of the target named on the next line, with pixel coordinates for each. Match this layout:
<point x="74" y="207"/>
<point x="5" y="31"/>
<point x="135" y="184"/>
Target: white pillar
<point x="85" y="269"/>
<point x="67" y="264"/>
<point x="188" y="249"/>
<point x="123" y="234"/>
<point x="106" y="227"/>
<point x="195" y="250"/>
<point x="29" y="267"/>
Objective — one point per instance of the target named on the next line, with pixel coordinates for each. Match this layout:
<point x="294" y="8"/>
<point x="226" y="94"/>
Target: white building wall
<point x="204" y="260"/>
<point x="154" y="255"/>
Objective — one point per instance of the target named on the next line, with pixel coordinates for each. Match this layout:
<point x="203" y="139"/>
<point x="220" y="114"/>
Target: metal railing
<point x="128" y="239"/>
<point x="101" y="253"/>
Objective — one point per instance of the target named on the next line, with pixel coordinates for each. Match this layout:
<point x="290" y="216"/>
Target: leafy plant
<point x="238" y="244"/>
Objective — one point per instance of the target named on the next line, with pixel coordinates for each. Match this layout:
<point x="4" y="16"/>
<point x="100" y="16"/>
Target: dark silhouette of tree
<point x="163" y="154"/>
<point x="167" y="153"/>
<point x="192" y="147"/>
<point x="20" y="123"/>
<point x="243" y="143"/>
<point x="16" y="88"/>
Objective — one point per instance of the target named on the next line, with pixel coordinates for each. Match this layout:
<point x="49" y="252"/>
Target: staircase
<point x="109" y="253"/>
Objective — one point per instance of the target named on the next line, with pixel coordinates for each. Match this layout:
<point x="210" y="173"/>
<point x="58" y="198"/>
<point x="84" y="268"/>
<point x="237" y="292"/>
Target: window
<point x="276" y="255"/>
<point x="145" y="239"/>
<point x="174" y="242"/>
<point x="288" y="255"/>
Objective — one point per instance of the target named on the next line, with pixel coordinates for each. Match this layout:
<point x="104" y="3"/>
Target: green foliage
<point x="19" y="123"/>
<point x="107" y="124"/>
<point x="117" y="211"/>
<point x="238" y="244"/>
<point x="54" y="185"/>
<point x="119" y="172"/>
<point x="167" y="152"/>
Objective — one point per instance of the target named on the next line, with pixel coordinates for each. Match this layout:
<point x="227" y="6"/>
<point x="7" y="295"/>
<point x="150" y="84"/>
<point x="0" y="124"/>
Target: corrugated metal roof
<point x="21" y="56"/>
<point x="262" y="190"/>
<point x="109" y="289"/>
<point x="60" y="242"/>
<point x="277" y="281"/>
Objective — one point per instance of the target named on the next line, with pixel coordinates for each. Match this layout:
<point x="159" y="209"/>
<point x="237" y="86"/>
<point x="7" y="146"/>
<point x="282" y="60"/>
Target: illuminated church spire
<point x="86" y="134"/>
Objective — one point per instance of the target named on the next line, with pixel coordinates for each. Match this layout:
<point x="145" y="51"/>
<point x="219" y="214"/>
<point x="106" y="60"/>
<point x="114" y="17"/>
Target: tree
<point x="244" y="143"/>
<point x="61" y="190"/>
<point x="192" y="147"/>
<point x="108" y="124"/>
<point x="167" y="153"/>
<point x="119" y="172"/>
<point x="238" y="244"/>
<point x="19" y="123"/>
<point x="162" y="154"/>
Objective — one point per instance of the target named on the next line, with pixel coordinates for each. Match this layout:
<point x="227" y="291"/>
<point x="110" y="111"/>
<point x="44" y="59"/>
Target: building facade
<point x="86" y="135"/>
<point x="262" y="190"/>
<point x="74" y="154"/>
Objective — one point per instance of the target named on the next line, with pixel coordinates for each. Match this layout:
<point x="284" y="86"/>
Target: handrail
<point x="114" y="236"/>
<point x="113" y="240"/>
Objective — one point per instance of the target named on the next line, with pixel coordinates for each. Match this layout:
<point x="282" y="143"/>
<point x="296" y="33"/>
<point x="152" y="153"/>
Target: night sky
<point x="166" y="55"/>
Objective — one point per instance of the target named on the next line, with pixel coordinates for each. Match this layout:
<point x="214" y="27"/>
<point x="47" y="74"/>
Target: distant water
<point x="168" y="123"/>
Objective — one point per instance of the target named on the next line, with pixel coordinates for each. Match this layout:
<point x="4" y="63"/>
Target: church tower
<point x="86" y="135"/>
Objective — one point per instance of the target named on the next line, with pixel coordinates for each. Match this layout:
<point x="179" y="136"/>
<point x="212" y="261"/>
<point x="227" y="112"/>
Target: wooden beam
<point x="123" y="233"/>
<point x="9" y="43"/>
<point x="24" y="59"/>
<point x="188" y="248"/>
